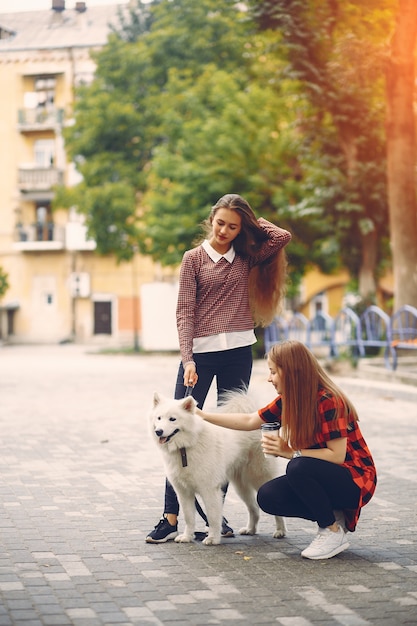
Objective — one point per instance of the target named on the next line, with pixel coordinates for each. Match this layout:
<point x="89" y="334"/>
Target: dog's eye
<point x="172" y="419"/>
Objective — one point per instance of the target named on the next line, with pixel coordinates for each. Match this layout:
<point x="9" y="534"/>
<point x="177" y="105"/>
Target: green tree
<point x="335" y="51"/>
<point x="189" y="102"/>
<point x="216" y="143"/>
<point x="178" y="115"/>
<point x="118" y="118"/>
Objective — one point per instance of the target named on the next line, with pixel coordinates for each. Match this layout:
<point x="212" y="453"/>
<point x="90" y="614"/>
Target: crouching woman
<point x="331" y="474"/>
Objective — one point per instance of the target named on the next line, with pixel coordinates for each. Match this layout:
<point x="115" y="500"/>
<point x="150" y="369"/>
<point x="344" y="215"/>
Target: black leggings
<point x="311" y="489"/>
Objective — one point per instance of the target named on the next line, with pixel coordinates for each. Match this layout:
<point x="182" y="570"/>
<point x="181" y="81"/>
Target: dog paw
<point x="183" y="539"/>
<point x="247" y="531"/>
<point x="280" y="527"/>
<point x="211" y="541"/>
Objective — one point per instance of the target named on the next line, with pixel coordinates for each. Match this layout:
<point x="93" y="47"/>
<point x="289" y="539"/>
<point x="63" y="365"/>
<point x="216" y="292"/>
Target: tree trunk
<point x="366" y="277"/>
<point x="401" y="155"/>
<point x="369" y="241"/>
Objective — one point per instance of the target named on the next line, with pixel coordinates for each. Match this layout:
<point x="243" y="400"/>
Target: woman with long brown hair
<point x="229" y="283"/>
<point x="331" y="474"/>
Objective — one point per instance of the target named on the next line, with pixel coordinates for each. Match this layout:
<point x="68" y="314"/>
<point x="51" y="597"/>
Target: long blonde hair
<point x="301" y="378"/>
<point x="267" y="280"/>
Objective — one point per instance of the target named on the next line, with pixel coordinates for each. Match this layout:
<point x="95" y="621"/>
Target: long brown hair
<point x="267" y="280"/>
<point x="301" y="377"/>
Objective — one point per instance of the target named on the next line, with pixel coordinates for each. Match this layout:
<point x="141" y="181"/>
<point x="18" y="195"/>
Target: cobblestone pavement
<point x="81" y="485"/>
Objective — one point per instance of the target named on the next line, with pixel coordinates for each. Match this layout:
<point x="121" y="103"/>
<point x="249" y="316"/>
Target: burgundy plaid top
<point x="358" y="458"/>
<point x="213" y="297"/>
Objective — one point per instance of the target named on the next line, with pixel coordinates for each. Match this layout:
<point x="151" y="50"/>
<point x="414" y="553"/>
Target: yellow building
<point x="328" y="293"/>
<point x="60" y="289"/>
<point x="322" y="293"/>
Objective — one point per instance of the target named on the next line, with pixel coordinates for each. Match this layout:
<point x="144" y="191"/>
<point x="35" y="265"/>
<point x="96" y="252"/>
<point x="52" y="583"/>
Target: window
<point x="39" y="104"/>
<point x="318" y="304"/>
<point x="5" y="33"/>
<point x="45" y="91"/>
<point x="44" y="224"/>
<point x="44" y="152"/>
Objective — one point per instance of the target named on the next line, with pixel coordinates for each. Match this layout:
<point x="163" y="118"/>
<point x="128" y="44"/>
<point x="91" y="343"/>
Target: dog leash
<point x="188" y="391"/>
<point x="183" y="451"/>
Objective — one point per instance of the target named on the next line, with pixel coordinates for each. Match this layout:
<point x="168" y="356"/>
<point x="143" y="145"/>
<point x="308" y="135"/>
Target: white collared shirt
<point x="216" y="256"/>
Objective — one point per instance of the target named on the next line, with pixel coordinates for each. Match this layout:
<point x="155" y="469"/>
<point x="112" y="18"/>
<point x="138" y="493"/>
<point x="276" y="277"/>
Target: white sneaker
<point x="326" y="544"/>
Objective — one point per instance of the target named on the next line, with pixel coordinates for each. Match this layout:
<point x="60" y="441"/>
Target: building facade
<point x="59" y="288"/>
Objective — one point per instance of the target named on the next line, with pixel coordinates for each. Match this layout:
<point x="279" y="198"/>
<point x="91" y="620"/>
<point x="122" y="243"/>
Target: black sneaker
<point x="162" y="532"/>
<point x="226" y="530"/>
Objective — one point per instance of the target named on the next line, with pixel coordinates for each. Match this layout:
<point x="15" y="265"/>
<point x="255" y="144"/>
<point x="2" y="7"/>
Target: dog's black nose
<point x="159" y="432"/>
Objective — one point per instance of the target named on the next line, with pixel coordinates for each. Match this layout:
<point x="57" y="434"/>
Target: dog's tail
<point x="238" y="401"/>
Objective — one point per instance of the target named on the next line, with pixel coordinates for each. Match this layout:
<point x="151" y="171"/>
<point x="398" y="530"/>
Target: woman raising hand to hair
<point x="232" y="281"/>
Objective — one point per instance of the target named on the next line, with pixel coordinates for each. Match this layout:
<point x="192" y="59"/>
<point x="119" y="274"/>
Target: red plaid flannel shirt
<point x="358" y="458"/>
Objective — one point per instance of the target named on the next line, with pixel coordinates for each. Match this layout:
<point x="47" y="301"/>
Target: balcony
<point x="37" y="119"/>
<point x="40" y="236"/>
<point x="39" y="178"/>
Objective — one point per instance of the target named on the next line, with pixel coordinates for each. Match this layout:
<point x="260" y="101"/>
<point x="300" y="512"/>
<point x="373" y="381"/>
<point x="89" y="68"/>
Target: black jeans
<point x="311" y="489"/>
<point x="232" y="370"/>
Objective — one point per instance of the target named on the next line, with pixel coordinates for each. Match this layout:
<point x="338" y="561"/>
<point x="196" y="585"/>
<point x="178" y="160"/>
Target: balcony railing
<point x="39" y="178"/>
<point x="40" y="119"/>
<point x="39" y="236"/>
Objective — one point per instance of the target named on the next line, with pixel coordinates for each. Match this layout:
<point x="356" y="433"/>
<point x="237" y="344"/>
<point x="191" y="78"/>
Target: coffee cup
<point x="271" y="428"/>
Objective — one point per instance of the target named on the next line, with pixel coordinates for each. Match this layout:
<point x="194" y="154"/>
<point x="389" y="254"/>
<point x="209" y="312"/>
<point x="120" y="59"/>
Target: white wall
<point x="158" y="304"/>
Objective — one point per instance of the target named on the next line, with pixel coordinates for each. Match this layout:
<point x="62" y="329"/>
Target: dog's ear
<point x="156" y="398"/>
<point x="189" y="404"/>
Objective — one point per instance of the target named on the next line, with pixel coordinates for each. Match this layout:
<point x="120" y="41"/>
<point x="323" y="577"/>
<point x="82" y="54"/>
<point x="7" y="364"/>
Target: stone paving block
<point x="81" y="485"/>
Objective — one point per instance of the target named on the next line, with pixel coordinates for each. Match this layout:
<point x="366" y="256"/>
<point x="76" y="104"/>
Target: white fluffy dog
<point x="199" y="458"/>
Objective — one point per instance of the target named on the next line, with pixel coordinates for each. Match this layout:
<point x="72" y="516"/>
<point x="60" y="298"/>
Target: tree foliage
<point x="283" y="104"/>
<point x="336" y="50"/>
<point x="123" y="117"/>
